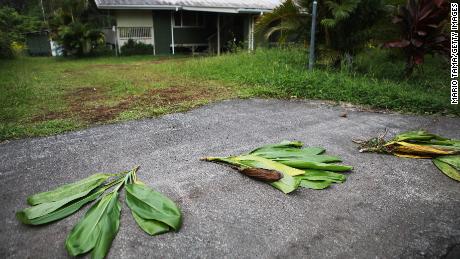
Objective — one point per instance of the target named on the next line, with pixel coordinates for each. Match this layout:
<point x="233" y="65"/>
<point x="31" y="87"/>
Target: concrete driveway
<point x="389" y="207"/>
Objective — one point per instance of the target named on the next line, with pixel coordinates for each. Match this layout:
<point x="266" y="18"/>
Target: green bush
<point x="12" y="29"/>
<point x="102" y="51"/>
<point x="5" y="46"/>
<point x="386" y="64"/>
<point x="132" y="47"/>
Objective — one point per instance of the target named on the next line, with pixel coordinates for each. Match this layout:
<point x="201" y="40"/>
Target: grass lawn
<point x="43" y="96"/>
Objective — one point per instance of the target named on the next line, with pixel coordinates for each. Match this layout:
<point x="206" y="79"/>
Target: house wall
<point x="162" y="29"/>
<point x="128" y="18"/>
<point x="135" y="18"/>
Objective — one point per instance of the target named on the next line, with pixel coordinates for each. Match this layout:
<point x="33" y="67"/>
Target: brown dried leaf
<point x="262" y="174"/>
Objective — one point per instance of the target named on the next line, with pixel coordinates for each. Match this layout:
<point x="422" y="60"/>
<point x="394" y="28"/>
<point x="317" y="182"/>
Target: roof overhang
<point x="140" y="7"/>
<point x="185" y="8"/>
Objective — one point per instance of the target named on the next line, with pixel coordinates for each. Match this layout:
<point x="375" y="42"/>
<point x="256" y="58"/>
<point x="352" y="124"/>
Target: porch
<point x="171" y="32"/>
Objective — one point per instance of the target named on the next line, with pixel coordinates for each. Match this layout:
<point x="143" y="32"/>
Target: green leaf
<point x="297" y="154"/>
<point x="287" y="147"/>
<point x="417" y="136"/>
<point x="318" y="175"/>
<point x="150" y="226"/>
<point x="69" y="190"/>
<point x="60" y="213"/>
<point x="97" y="229"/>
<point x="299" y="164"/>
<point x="152" y="205"/>
<point x="286" y="184"/>
<point x="45" y="208"/>
<point x="453" y="161"/>
<point x="315" y="185"/>
<point x="308" y="158"/>
<point x="282" y="145"/>
<point x="447" y="169"/>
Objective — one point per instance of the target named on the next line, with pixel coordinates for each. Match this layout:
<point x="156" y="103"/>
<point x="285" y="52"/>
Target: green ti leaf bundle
<point x="153" y="212"/>
<point x="298" y="167"/>
<point x="444" y="152"/>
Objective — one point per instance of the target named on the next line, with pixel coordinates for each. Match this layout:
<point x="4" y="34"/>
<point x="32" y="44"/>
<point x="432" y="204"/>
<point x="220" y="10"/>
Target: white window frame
<point x="188" y="26"/>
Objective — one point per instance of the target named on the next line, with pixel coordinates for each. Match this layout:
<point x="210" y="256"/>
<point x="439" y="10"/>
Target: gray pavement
<point x="389" y="207"/>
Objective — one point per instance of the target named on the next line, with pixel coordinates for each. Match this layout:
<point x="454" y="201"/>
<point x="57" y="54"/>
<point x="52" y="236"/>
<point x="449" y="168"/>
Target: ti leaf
<point x="286" y="184"/>
<point x="300" y="164"/>
<point x="97" y="229"/>
<point x="59" y="213"/>
<point x="70" y="190"/>
<point x="284" y="144"/>
<point x="315" y="185"/>
<point x="417" y="136"/>
<point x="447" y="169"/>
<point x="298" y="154"/>
<point x="286" y="148"/>
<point x="318" y="180"/>
<point x="318" y="175"/>
<point x="151" y="207"/>
<point x="454" y="161"/>
<point x="151" y="226"/>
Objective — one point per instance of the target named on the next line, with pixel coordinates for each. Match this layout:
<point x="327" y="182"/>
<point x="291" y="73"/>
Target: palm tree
<point x="288" y="21"/>
<point x="74" y="28"/>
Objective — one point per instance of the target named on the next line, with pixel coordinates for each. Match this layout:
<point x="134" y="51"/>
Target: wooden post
<point x="218" y="34"/>
<point x="117" y="44"/>
<point x="251" y="33"/>
<point x="311" y="59"/>
<point x="152" y="31"/>
<point x="172" y="32"/>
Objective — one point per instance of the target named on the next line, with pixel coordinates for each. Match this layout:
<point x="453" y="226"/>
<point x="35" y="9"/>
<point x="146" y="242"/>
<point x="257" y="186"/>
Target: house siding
<point x="134" y="18"/>
<point x="162" y="30"/>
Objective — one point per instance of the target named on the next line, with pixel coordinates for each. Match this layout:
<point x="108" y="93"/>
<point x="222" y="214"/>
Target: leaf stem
<point x="128" y="178"/>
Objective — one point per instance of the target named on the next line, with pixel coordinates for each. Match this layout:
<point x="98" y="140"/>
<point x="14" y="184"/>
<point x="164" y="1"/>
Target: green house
<point x="194" y="25"/>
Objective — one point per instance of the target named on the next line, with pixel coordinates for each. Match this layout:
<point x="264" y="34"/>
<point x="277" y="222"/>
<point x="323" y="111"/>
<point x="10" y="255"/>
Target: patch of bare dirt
<point x="85" y="102"/>
<point x="162" y="60"/>
<point x="125" y="66"/>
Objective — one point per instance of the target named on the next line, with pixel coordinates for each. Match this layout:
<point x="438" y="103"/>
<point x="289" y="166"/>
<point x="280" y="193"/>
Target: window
<point x="187" y="19"/>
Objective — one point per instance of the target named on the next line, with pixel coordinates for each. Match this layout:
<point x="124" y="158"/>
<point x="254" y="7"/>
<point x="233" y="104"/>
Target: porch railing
<point x="135" y="32"/>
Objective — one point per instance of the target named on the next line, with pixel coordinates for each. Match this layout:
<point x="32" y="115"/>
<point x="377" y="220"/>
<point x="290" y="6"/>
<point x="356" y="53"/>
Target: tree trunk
<point x="327" y="37"/>
<point x="410" y="64"/>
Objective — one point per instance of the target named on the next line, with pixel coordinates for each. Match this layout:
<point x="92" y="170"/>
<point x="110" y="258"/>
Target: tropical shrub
<point x="12" y="29"/>
<point x="75" y="29"/>
<point x="287" y="22"/>
<point x="343" y="25"/>
<point x="422" y="23"/>
<point x="132" y="47"/>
